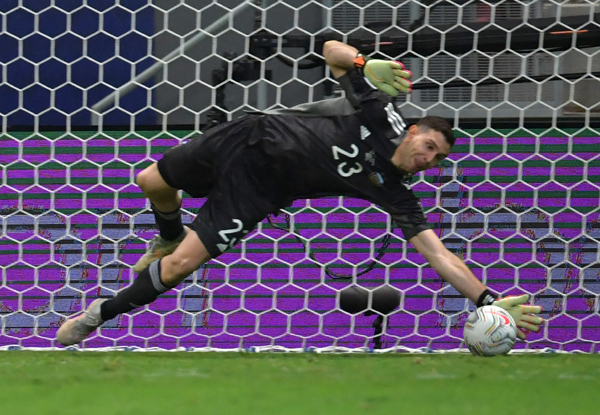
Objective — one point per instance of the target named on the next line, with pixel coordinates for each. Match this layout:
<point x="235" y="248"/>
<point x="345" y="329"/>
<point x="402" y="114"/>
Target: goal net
<point x="93" y="92"/>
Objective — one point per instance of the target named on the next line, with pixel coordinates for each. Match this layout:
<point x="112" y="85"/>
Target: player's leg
<point x="159" y="277"/>
<point x="225" y="218"/>
<point x="166" y="206"/>
<point x="221" y="223"/>
<point x="183" y="167"/>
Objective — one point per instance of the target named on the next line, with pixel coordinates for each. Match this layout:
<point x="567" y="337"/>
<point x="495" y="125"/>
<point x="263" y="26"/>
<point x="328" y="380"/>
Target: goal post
<point x="518" y="199"/>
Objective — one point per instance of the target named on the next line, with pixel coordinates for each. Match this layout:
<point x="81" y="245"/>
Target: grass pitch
<point x="37" y="383"/>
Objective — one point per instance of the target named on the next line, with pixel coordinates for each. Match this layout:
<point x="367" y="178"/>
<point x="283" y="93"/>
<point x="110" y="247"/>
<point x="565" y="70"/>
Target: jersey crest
<point x="370" y="157"/>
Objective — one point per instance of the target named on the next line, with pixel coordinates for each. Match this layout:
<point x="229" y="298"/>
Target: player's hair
<point x="440" y="125"/>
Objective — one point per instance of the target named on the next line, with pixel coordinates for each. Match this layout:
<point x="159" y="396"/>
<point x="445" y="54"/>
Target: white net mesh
<point x="518" y="199"/>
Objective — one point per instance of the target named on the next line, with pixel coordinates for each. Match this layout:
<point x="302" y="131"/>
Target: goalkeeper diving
<point x="357" y="146"/>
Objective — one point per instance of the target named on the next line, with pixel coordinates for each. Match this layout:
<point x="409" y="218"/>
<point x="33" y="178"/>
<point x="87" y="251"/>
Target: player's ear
<point x="413" y="130"/>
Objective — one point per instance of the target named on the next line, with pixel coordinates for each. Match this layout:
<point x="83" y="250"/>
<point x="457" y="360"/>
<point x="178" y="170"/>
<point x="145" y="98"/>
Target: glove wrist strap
<point x="360" y="61"/>
<point x="486" y="298"/>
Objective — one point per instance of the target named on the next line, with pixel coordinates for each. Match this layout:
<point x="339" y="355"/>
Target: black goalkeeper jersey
<point x="340" y="152"/>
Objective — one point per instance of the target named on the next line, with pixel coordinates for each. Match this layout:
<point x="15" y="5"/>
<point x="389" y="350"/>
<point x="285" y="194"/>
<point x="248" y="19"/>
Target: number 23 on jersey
<point x="343" y="168"/>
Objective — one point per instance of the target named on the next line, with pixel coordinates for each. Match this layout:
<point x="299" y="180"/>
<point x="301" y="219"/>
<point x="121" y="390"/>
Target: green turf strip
<point x="232" y="383"/>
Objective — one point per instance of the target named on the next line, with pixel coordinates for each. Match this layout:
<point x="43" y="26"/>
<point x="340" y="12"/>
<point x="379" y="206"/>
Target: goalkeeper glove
<point x="521" y="313"/>
<point x="387" y="76"/>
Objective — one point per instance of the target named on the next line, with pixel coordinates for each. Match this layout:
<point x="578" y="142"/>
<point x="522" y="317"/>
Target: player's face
<point x="425" y="148"/>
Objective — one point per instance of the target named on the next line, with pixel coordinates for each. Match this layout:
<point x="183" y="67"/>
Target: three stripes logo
<point x="395" y="119"/>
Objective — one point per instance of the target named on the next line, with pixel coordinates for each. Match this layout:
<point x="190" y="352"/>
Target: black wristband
<point x="486" y="298"/>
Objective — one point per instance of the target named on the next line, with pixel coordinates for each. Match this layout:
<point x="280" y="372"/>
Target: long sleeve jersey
<point x="342" y="147"/>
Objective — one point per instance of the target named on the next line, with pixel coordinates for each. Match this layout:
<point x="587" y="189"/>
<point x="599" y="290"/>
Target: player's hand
<point x="388" y="76"/>
<point x="521" y="313"/>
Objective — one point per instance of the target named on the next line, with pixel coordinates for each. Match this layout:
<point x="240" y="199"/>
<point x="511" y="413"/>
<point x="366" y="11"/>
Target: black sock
<point x="169" y="223"/>
<point x="145" y="289"/>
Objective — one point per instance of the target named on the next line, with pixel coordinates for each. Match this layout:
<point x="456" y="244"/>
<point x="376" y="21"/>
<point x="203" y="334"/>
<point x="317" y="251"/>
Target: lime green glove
<point x="522" y="314"/>
<point x="387" y="76"/>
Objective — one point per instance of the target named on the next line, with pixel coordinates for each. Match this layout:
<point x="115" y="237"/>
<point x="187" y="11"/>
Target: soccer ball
<point x="489" y="331"/>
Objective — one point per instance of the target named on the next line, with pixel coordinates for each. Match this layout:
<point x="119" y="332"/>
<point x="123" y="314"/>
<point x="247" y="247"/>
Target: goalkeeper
<point x="357" y="146"/>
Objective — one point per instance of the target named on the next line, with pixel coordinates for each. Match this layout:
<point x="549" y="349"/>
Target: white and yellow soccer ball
<point x="490" y="331"/>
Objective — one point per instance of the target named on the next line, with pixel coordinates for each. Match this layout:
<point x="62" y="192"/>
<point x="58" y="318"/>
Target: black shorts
<point x="236" y="177"/>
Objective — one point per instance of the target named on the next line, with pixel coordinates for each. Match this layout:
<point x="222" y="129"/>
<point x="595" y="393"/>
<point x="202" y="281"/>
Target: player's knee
<point x="152" y="183"/>
<point x="143" y="179"/>
<point x="175" y="268"/>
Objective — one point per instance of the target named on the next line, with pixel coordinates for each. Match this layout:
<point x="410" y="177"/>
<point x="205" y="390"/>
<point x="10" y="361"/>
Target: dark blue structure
<point x="80" y="54"/>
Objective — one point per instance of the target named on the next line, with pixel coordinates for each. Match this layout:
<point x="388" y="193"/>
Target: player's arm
<point x="339" y="57"/>
<point x="452" y="269"/>
<point x="385" y="75"/>
<point x="448" y="266"/>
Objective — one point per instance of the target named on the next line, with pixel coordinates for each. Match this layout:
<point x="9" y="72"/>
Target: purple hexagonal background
<point x="71" y="237"/>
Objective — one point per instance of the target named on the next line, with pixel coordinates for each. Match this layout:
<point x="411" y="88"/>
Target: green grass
<point x="115" y="383"/>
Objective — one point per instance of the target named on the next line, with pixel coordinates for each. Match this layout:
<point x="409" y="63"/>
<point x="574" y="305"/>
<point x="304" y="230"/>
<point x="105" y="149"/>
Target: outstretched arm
<point x="385" y="75"/>
<point x="450" y="268"/>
